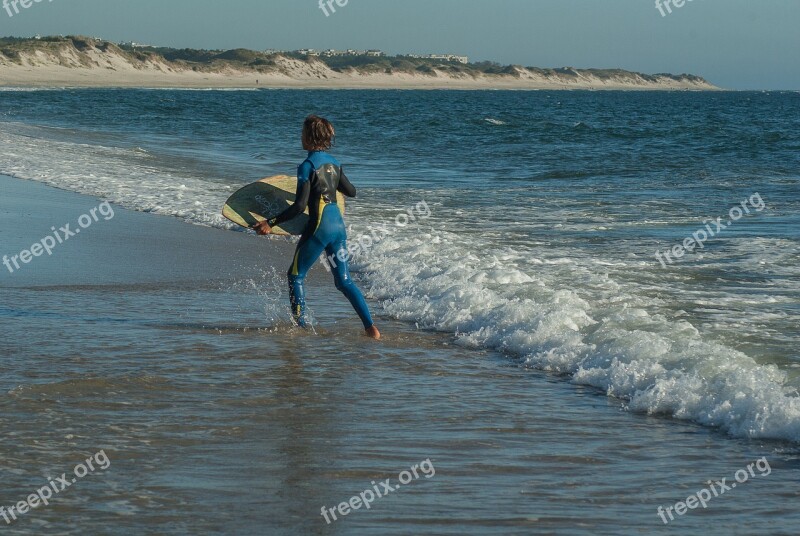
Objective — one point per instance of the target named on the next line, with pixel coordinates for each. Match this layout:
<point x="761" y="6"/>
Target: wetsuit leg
<point x="341" y="276"/>
<point x="307" y="253"/>
<point x="329" y="235"/>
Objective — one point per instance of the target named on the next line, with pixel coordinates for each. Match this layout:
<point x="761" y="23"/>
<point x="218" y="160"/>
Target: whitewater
<point x="557" y="280"/>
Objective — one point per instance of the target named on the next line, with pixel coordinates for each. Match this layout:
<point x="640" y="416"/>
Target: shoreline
<point x="121" y="245"/>
<point x="136" y="349"/>
<point x="354" y="88"/>
<point x="90" y="62"/>
<point x="433" y="85"/>
<point x="120" y="75"/>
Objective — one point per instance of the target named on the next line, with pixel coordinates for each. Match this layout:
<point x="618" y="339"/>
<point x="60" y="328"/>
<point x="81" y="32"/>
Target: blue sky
<point x="738" y="44"/>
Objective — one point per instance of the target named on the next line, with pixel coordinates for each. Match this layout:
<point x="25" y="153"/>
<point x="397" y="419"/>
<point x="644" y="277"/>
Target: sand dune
<point x="94" y="63"/>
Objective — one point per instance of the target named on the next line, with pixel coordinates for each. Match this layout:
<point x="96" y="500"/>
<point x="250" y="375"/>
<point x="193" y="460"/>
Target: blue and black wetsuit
<point x="319" y="177"/>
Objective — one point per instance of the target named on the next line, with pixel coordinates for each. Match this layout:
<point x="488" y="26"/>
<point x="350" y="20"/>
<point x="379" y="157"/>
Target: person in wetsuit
<point x="319" y="177"/>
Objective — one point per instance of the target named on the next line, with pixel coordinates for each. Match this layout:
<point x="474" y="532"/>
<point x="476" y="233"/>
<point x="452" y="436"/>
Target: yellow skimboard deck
<point x="266" y="199"/>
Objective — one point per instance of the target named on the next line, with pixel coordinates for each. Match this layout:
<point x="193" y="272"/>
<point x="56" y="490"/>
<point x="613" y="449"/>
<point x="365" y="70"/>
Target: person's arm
<point x="345" y="186"/>
<point x="301" y="198"/>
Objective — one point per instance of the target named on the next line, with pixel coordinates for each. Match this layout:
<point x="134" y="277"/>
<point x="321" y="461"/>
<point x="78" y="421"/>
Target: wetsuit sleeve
<point x="301" y="196"/>
<point x="345" y="186"/>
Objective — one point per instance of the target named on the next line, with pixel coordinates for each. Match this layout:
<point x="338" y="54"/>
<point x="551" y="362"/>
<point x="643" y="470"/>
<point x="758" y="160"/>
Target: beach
<point x="98" y="64"/>
<point x="55" y="77"/>
<point x="139" y="341"/>
<point x="540" y="373"/>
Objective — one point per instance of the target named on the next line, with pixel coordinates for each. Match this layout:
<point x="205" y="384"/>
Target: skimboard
<point x="266" y="199"/>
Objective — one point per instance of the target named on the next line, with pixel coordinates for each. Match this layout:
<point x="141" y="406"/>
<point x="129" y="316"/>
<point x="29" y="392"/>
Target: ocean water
<point x="501" y="234"/>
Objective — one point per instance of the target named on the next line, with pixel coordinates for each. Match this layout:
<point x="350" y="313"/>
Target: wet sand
<point x="142" y="337"/>
<point x="127" y="247"/>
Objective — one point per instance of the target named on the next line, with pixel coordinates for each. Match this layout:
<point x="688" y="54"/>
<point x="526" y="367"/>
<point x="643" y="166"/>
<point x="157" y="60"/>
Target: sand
<point x="130" y="247"/>
<point x="113" y="70"/>
<point x="129" y="339"/>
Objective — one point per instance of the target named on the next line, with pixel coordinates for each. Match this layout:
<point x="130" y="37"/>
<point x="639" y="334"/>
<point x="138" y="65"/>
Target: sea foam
<point x="541" y="304"/>
<point x="566" y="317"/>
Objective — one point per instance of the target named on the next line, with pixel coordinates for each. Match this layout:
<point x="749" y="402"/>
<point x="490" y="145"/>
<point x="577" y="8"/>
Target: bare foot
<point x="374" y="333"/>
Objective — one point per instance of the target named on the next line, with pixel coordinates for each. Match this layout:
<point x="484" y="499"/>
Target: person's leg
<point x="306" y="254"/>
<point x="344" y="283"/>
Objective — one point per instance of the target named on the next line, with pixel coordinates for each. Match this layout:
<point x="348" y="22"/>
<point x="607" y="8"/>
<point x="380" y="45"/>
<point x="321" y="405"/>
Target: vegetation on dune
<point x="14" y="47"/>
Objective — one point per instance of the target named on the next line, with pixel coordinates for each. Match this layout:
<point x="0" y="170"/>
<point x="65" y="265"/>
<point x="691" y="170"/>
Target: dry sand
<point x="109" y="69"/>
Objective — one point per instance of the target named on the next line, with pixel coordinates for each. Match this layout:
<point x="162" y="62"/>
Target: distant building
<point x="448" y="57"/>
<point x="441" y="57"/>
<point x="331" y="53"/>
<point x="133" y="44"/>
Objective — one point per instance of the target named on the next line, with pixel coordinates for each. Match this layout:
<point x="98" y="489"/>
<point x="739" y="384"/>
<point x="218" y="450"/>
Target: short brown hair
<point x="318" y="133"/>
